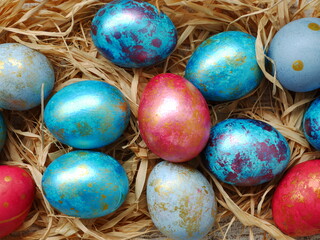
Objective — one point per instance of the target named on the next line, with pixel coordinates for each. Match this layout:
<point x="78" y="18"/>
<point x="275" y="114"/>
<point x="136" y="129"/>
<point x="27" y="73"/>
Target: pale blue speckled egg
<point x="87" y="114"/>
<point x="3" y="131"/>
<point x="85" y="184"/>
<point x="181" y="201"/>
<point x="22" y="73"/>
<point x="295" y="50"/>
<point x="133" y="33"/>
<point x="246" y="152"/>
<point x="311" y="124"/>
<point x="224" y="67"/>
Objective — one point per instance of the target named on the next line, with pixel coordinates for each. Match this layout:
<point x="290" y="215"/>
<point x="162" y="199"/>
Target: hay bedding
<point x="61" y="30"/>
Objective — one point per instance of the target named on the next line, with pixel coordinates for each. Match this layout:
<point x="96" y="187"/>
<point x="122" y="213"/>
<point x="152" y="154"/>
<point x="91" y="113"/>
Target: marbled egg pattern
<point x="17" y="190"/>
<point x="246" y="152"/>
<point x="85" y="184"/>
<point x="3" y="131"/>
<point x="181" y="201"/>
<point x="311" y="124"/>
<point x="295" y="50"/>
<point x="87" y="114"/>
<point x="224" y="67"/>
<point x="174" y="118"/>
<point x="133" y="33"/>
<point x="22" y="73"/>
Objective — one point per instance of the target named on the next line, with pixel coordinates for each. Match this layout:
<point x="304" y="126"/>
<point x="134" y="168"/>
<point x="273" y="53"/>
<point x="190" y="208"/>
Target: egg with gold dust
<point x="181" y="201"/>
<point x="224" y="67"/>
<point x="174" y="118"/>
<point x="296" y="201"/>
<point x="17" y="190"/>
<point x="295" y="51"/>
<point x="23" y="71"/>
<point x="87" y="114"/>
<point x="85" y="184"/>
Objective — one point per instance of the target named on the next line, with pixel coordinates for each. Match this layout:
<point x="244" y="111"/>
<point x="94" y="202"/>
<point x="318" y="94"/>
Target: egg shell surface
<point x="85" y="184"/>
<point x="3" y="131"/>
<point x="224" y="67"/>
<point x="295" y="50"/>
<point x="296" y="201"/>
<point x="181" y="201"/>
<point x="246" y="152"/>
<point x="22" y="73"/>
<point x="133" y="33"/>
<point x="174" y="118"/>
<point x="311" y="124"/>
<point x="17" y="190"/>
<point x="87" y="114"/>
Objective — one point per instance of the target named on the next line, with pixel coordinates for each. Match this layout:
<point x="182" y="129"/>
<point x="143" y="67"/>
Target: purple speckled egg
<point x="311" y="124"/>
<point x="246" y="152"/>
<point x="133" y="33"/>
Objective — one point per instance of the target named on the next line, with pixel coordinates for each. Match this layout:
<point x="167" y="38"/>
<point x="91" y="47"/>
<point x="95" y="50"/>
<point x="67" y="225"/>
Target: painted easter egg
<point x="224" y="67"/>
<point x="3" y="131"/>
<point x="296" y="201"/>
<point x="17" y="190"/>
<point x="311" y="124"/>
<point x="85" y="184"/>
<point x="246" y="152"/>
<point x="181" y="201"/>
<point x="174" y="118"/>
<point x="133" y="33"/>
<point x="87" y="114"/>
<point x="23" y="71"/>
<point x="295" y="50"/>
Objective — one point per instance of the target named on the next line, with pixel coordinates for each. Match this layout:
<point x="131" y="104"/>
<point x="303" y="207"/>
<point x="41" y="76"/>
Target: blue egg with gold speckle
<point x="246" y="152"/>
<point x="224" y="67"/>
<point x="87" y="114"/>
<point x="85" y="184"/>
<point x="133" y="33"/>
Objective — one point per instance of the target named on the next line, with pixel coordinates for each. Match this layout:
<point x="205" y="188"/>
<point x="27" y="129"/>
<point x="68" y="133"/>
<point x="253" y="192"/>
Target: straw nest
<point x="60" y="29"/>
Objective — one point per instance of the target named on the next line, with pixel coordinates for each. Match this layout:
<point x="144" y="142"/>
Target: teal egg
<point x="23" y="71"/>
<point x="88" y="114"/>
<point x="3" y="131"/>
<point x="224" y="67"/>
<point x="85" y="184"/>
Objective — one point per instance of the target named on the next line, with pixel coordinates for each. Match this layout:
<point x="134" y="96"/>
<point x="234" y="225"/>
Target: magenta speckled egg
<point x="174" y="118"/>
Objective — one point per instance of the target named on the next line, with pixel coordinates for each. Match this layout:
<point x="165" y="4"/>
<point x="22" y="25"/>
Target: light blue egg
<point x="3" y="131"/>
<point x="181" y="201"/>
<point x="132" y="33"/>
<point x="246" y="152"/>
<point x="224" y="67"/>
<point x="295" y="50"/>
<point x="85" y="184"/>
<point x="87" y="114"/>
<point x="22" y="73"/>
<point x="311" y="124"/>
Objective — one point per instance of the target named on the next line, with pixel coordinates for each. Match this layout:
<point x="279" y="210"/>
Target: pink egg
<point x="174" y="118"/>
<point x="17" y="190"/>
<point x="296" y="201"/>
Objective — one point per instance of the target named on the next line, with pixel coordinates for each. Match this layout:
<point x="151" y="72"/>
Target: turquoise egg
<point x="3" y="131"/>
<point x="133" y="33"/>
<point x="246" y="152"/>
<point x="311" y="124"/>
<point x="224" y="67"/>
<point x="88" y="114"/>
<point x="23" y="71"/>
<point x="85" y="184"/>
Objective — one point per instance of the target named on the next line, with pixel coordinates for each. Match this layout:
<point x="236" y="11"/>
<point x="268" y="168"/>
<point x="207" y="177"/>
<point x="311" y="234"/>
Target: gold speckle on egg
<point x="103" y="196"/>
<point x="25" y="174"/>
<point x="1" y="66"/>
<point x="297" y="65"/>
<point x="5" y="204"/>
<point x="314" y="26"/>
<point x="23" y="196"/>
<point x="15" y="62"/>
<point x="60" y="201"/>
<point x="105" y="207"/>
<point x="90" y="185"/>
<point x="7" y="178"/>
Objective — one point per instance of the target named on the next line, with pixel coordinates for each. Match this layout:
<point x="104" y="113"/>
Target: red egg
<point x="296" y="201"/>
<point x="174" y="118"/>
<point x="17" y="190"/>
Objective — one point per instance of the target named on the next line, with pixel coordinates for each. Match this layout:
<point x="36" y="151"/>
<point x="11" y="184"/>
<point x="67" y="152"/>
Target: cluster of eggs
<point x="174" y="121"/>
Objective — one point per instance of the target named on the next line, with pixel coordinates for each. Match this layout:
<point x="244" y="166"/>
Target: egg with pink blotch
<point x="174" y="118"/>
